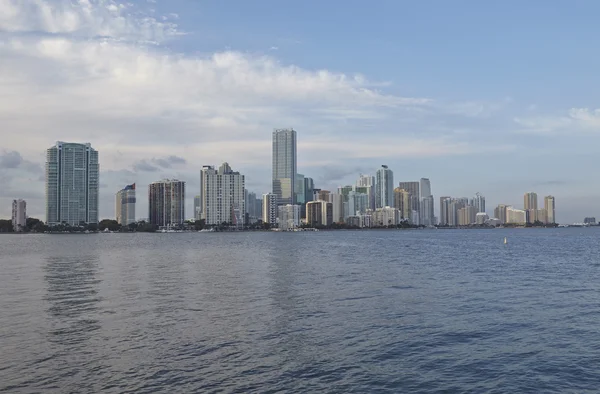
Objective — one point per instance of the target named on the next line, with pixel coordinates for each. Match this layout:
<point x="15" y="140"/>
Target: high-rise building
<point x="19" y="215"/>
<point x="530" y="201"/>
<point x="125" y="205"/>
<point x="284" y="166"/>
<point x="500" y="213"/>
<point x="467" y="215"/>
<point x="402" y="202"/>
<point x="319" y="213"/>
<point x="386" y="216"/>
<point x="309" y="186"/>
<point x="72" y="184"/>
<point x="384" y="188"/>
<point x="550" y="209"/>
<point x="365" y="180"/>
<point x="366" y="184"/>
<point x="481" y="218"/>
<point x="515" y="216"/>
<point x="427" y="203"/>
<point x="478" y="202"/>
<point x="445" y="210"/>
<point x="415" y="196"/>
<point x="358" y="203"/>
<point x="197" y="205"/>
<point x="289" y="217"/>
<point x="323" y="195"/>
<point x="300" y="192"/>
<point x="269" y="209"/>
<point x="166" y="203"/>
<point x="253" y="207"/>
<point x="223" y="196"/>
<point x="337" y="204"/>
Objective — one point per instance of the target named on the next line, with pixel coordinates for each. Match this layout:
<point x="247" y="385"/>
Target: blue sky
<point x="491" y="97"/>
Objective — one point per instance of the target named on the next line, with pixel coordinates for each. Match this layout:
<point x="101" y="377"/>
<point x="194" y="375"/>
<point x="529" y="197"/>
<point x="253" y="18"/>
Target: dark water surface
<point x="371" y="311"/>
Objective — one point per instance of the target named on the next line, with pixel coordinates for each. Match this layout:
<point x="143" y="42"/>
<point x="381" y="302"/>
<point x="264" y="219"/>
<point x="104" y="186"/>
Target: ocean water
<point x="346" y="311"/>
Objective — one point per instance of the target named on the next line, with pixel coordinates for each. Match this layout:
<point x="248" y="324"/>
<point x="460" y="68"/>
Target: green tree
<point x="6" y="226"/>
<point x="111" y="225"/>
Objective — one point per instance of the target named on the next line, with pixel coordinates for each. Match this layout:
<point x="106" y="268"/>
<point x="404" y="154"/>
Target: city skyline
<point x="422" y="111"/>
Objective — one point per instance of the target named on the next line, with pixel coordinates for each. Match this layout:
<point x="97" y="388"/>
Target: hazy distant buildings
<point x="284" y="166"/>
<point x="253" y="207"/>
<point x="478" y="202"/>
<point x="269" y="209"/>
<point x="125" y="205"/>
<point x="223" y="196"/>
<point x="319" y="213"/>
<point x="550" y="208"/>
<point x="166" y="203"/>
<point x="590" y="220"/>
<point x="500" y="213"/>
<point x="384" y="187"/>
<point x="19" y="215"/>
<point x="198" y="205"/>
<point x="516" y="216"/>
<point x="402" y="202"/>
<point x="72" y="184"/>
<point x="288" y="217"/>
<point x="427" y="203"/>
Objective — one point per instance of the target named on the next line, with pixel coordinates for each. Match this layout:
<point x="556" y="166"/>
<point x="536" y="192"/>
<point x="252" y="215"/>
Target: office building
<point x="550" y="209"/>
<point x="269" y="209"/>
<point x="289" y="217"/>
<point x="337" y="204"/>
<point x="516" y="216"/>
<point x="72" y="184"/>
<point x="425" y="187"/>
<point x="309" y="186"/>
<point x="166" y="203"/>
<point x="19" y="215"/>
<point x="402" y="202"/>
<point x="253" y="207"/>
<point x="319" y="213"/>
<point x="223" y="196"/>
<point x="384" y="187"/>
<point x="530" y="201"/>
<point x="358" y="203"/>
<point x="125" y="205"/>
<point x="284" y="166"/>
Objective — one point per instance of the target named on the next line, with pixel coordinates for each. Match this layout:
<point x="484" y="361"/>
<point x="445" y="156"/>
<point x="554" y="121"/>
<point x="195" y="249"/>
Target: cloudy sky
<point x="499" y="98"/>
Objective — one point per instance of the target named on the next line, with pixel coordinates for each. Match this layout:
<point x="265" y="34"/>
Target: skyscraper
<point x="427" y="203"/>
<point x="166" y="203"/>
<point x="284" y="166"/>
<point x="549" y="206"/>
<point x="415" y="196"/>
<point x="319" y="213"/>
<point x="530" y="201"/>
<point x="478" y="202"/>
<point x="19" y="215"/>
<point x="445" y="210"/>
<point x="500" y="212"/>
<point x="366" y="183"/>
<point x="125" y="205"/>
<point x="223" y="196"/>
<point x="72" y="183"/>
<point x="402" y="203"/>
<point x="384" y="189"/>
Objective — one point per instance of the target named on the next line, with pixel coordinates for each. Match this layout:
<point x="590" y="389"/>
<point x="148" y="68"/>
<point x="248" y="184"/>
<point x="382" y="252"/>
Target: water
<point x="371" y="311"/>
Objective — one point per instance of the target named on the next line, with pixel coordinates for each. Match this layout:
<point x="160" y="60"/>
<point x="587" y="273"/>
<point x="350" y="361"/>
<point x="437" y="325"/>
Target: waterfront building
<point x="125" y="201"/>
<point x="427" y="203"/>
<point x="269" y="209"/>
<point x="542" y="216"/>
<point x="467" y="215"/>
<point x="357" y="203"/>
<point x="337" y="201"/>
<point x="481" y="218"/>
<point x="590" y="220"/>
<point x="478" y="202"/>
<point x="500" y="213"/>
<point x="253" y="207"/>
<point x="19" y="215"/>
<point x="386" y="216"/>
<point x="289" y="217"/>
<point x="384" y="187"/>
<point x="223" y="194"/>
<point x="550" y="209"/>
<point x="166" y="203"/>
<point x="402" y="202"/>
<point x="284" y="166"/>
<point x="445" y="210"/>
<point x="530" y="201"/>
<point x="319" y="213"/>
<point x="72" y="184"/>
<point x="414" y="189"/>
<point x="516" y="216"/>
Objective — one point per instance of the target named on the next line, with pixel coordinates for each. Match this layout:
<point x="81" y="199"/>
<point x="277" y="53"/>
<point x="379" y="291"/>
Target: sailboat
<point x="505" y="241"/>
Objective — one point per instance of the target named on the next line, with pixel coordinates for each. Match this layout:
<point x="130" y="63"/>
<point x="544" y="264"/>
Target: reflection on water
<point x="72" y="296"/>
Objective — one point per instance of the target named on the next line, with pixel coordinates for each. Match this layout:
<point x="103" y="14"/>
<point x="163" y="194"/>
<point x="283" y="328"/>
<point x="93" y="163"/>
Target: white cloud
<point x="574" y="121"/>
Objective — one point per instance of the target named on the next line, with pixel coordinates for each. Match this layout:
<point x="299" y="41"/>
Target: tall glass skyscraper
<point x="284" y="166"/>
<point x="72" y="183"/>
<point x="384" y="189"/>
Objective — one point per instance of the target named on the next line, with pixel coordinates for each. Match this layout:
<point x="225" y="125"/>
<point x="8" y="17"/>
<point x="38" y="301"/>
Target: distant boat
<point x="505" y="241"/>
